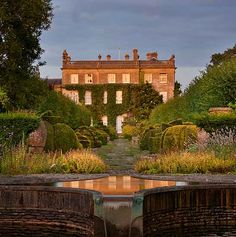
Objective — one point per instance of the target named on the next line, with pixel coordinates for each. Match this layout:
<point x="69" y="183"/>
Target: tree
<point x="177" y="89"/>
<point x="21" y="25"/>
<point x="219" y="58"/>
<point x="147" y="99"/>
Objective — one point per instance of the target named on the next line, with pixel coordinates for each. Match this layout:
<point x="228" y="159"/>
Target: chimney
<point x="108" y="57"/>
<point x="126" y="57"/>
<point x="151" y="55"/>
<point x="135" y="55"/>
<point x="99" y="57"/>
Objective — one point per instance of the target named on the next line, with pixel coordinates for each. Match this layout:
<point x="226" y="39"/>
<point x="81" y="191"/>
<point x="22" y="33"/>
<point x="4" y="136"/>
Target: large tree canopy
<point x="21" y="25"/>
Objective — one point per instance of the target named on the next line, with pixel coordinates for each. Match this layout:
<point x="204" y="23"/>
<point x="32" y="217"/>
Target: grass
<point x="19" y="161"/>
<point x="185" y="163"/>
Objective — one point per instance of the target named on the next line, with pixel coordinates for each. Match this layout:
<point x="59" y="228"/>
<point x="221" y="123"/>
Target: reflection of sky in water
<point x="119" y="185"/>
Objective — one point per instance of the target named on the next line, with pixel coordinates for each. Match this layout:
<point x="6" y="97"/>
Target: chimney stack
<point x="151" y="55"/>
<point x="108" y="57"/>
<point x="135" y="55"/>
<point x="126" y="57"/>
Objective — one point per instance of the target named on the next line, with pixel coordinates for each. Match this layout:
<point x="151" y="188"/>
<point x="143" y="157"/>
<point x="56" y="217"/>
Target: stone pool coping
<point x="51" y="178"/>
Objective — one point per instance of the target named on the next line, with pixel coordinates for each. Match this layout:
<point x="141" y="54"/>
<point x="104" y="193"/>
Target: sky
<point x="193" y="30"/>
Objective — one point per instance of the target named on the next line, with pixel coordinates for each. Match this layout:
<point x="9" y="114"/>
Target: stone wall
<point x="189" y="211"/>
<point x="46" y="211"/>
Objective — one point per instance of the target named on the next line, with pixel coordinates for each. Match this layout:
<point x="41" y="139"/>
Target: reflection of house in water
<point x="118" y="185"/>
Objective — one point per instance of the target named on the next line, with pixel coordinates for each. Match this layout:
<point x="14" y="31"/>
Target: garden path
<point x="120" y="154"/>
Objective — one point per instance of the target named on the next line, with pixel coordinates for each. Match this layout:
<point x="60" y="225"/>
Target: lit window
<point x="104" y="120"/>
<point x="148" y="78"/>
<point x="73" y="95"/>
<point x="163" y="78"/>
<point x="105" y="97"/>
<point x="88" y="98"/>
<point x="74" y="78"/>
<point x="126" y="78"/>
<point x="111" y="78"/>
<point x="119" y="97"/>
<point x="88" y="78"/>
<point x="164" y="95"/>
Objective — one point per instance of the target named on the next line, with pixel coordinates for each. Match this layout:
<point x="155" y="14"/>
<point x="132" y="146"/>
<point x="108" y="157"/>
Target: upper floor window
<point x="88" y="97"/>
<point x="164" y="95"/>
<point x="111" y="78"/>
<point x="105" y="97"/>
<point x="88" y="78"/>
<point x="163" y="78"/>
<point x="118" y="97"/>
<point x="74" y="78"/>
<point x="148" y="78"/>
<point x="126" y="78"/>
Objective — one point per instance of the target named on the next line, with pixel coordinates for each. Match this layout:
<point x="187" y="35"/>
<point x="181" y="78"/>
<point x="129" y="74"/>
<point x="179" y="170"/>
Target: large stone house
<point x="160" y="73"/>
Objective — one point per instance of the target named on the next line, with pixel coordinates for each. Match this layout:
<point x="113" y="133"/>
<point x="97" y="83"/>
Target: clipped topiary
<point x="65" y="138"/>
<point x="176" y="122"/>
<point x="129" y="131"/>
<point x="155" y="143"/>
<point x="84" y="140"/>
<point x="175" y="137"/>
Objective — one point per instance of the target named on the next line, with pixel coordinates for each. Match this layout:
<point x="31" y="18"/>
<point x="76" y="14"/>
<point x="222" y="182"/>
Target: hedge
<point x="63" y="110"/>
<point x="49" y="145"/>
<point x="16" y="126"/>
<point x="65" y="138"/>
<point x="213" y="122"/>
<point x="175" y="137"/>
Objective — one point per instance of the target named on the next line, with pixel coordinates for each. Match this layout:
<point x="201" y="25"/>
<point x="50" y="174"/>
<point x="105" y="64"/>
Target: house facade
<point x="130" y="70"/>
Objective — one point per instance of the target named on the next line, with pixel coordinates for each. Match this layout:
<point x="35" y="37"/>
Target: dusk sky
<point x="193" y="30"/>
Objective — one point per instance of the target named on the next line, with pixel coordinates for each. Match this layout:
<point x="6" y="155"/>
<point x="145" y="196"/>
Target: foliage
<point x="83" y="161"/>
<point x="219" y="58"/>
<point x="175" y="137"/>
<point x="213" y="122"/>
<point x="134" y="99"/>
<point x="64" y="138"/>
<point x="129" y="131"/>
<point x="185" y="163"/>
<point x="14" y="126"/>
<point x="49" y="145"/>
<point x="4" y="100"/>
<point x="147" y="99"/>
<point x="20" y="161"/>
<point x="62" y="108"/>
<point x="215" y="87"/>
<point x="21" y="25"/>
<point x="84" y="140"/>
<point x="177" y="89"/>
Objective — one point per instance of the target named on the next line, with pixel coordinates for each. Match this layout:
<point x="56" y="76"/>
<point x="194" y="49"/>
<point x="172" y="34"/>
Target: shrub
<point x="62" y="107"/>
<point x="213" y="122"/>
<point x="101" y="135"/>
<point x="185" y="163"/>
<point x="176" y="137"/>
<point x="15" y="126"/>
<point x="49" y="145"/>
<point x="129" y="131"/>
<point x="155" y="143"/>
<point x="84" y="140"/>
<point x="64" y="138"/>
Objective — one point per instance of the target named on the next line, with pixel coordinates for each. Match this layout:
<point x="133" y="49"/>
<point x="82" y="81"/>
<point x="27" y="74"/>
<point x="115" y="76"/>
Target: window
<point x="74" y="78"/>
<point x="148" y="78"/>
<point x="111" y="78"/>
<point x="164" y="95"/>
<point x="119" y="97"/>
<point x="126" y="78"/>
<point x="73" y="95"/>
<point x="104" y="120"/>
<point x="163" y="78"/>
<point x="88" y="78"/>
<point x="88" y="97"/>
<point x="105" y="97"/>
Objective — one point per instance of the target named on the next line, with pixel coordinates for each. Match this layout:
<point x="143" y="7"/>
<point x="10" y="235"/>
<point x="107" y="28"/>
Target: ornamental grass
<point x="185" y="163"/>
<point x="20" y="161"/>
